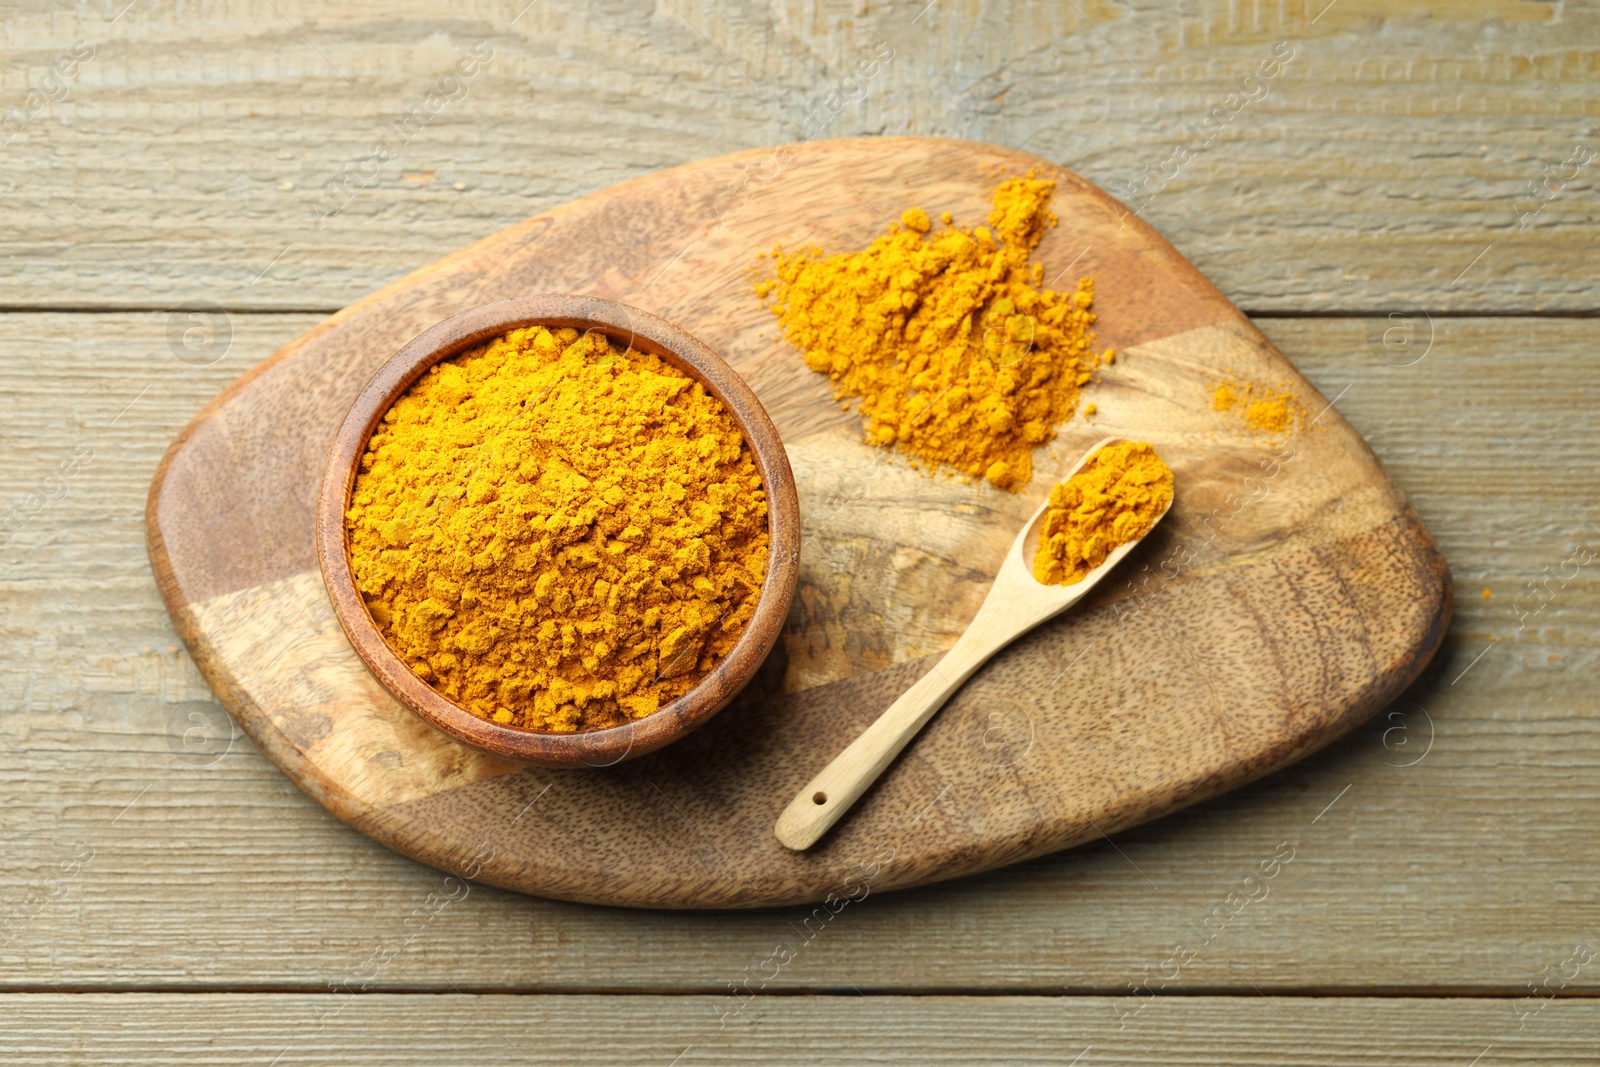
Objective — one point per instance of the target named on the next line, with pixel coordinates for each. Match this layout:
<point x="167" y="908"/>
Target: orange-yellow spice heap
<point x="958" y="355"/>
<point x="558" y="534"/>
<point x="1262" y="410"/>
<point x="1114" y="499"/>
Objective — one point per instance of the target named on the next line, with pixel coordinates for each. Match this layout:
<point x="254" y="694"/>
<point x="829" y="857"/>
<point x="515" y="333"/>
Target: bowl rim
<point x="646" y="333"/>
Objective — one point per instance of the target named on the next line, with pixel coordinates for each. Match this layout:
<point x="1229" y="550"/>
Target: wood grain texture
<point x="1291" y="594"/>
<point x="651" y="1031"/>
<point x="1398" y="143"/>
<point x="1390" y="894"/>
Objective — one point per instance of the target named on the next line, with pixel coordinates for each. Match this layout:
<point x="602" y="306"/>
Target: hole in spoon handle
<point x="834" y="791"/>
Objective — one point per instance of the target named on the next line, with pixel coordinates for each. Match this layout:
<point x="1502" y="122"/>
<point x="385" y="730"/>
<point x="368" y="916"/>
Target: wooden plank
<point x="1455" y="849"/>
<point x="189" y="157"/>
<point x="653" y="1031"/>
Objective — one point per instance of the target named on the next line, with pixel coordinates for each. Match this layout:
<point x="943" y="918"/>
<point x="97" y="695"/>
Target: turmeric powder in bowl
<point x="558" y="534"/>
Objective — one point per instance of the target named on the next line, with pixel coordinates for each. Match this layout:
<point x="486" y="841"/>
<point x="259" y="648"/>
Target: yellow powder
<point x="1115" y="498"/>
<point x="1263" y="410"/>
<point x="557" y="534"/>
<point x="956" y="353"/>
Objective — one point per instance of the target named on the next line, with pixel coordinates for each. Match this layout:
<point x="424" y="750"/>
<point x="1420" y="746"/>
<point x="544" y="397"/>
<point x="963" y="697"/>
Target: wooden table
<point x="166" y="895"/>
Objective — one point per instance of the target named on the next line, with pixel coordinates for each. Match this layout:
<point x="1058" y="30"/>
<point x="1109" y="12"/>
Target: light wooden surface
<point x="1395" y="141"/>
<point x="1394" y="144"/>
<point x="651" y="1031"/>
<point x="1292" y="595"/>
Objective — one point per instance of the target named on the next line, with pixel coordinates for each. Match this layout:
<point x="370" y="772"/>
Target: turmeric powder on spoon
<point x="1113" y="499"/>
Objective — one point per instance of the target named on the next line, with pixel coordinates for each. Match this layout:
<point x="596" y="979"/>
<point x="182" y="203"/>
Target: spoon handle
<point x="831" y="793"/>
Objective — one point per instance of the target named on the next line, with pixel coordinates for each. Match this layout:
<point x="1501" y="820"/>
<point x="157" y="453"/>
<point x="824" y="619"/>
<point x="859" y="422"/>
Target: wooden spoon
<point x="1016" y="603"/>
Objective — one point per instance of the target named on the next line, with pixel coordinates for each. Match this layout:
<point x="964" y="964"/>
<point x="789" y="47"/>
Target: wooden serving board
<point x="1289" y="595"/>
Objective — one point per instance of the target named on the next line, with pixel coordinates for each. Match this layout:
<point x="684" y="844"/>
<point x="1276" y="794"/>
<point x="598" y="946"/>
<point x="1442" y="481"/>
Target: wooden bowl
<point x="624" y="326"/>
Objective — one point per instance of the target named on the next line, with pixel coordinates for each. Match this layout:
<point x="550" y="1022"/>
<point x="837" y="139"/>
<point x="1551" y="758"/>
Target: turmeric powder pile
<point x="958" y="355"/>
<point x="1115" y="498"/>
<point x="557" y="534"/>
<point x="1263" y="410"/>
